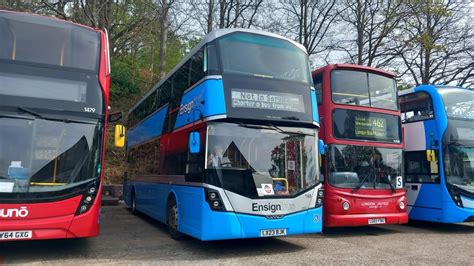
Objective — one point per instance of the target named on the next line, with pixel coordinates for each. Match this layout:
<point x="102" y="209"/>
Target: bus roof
<point x="222" y="32"/>
<point x="436" y="87"/>
<point x="40" y="17"/>
<point x="215" y="34"/>
<point x="353" y="67"/>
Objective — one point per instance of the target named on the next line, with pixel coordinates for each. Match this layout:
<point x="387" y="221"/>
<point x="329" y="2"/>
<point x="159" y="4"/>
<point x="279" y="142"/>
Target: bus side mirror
<point x="114" y="117"/>
<point x="430" y="156"/>
<point x="119" y="136"/>
<point x="194" y="142"/>
<point x="322" y="147"/>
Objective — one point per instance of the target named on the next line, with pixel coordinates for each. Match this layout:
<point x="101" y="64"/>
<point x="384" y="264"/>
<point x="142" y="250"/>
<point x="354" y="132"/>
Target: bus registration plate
<point x="377" y="221"/>
<point x="272" y="232"/>
<point x="7" y="235"/>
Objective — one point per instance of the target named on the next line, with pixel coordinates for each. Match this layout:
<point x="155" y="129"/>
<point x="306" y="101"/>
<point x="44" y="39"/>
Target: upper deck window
<point x="263" y="56"/>
<point x="458" y="103"/>
<point x="41" y="40"/>
<point x="362" y="88"/>
<point x="318" y="86"/>
<point x="416" y="107"/>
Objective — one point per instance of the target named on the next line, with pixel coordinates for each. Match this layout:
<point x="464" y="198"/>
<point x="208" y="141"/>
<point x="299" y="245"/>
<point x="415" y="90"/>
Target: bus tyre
<point x="172" y="219"/>
<point x="133" y="203"/>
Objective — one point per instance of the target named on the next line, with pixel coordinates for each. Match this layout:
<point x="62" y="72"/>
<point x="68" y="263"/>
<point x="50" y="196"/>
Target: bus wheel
<point x="133" y="203"/>
<point x="172" y="219"/>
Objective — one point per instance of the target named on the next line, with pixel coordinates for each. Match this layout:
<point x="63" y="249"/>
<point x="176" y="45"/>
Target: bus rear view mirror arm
<point x="114" y="117"/>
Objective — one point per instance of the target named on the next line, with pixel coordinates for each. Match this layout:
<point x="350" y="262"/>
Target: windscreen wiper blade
<point x="391" y="185"/>
<point x="361" y="183"/>
<point x="271" y="126"/>
<point x="38" y="115"/>
<point x="289" y="132"/>
<point x="29" y="111"/>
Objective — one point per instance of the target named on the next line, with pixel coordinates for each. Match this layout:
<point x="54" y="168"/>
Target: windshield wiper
<point x="288" y="132"/>
<point x="38" y="115"/>
<point x="391" y="185"/>
<point x="277" y="129"/>
<point x="361" y="183"/>
<point x="29" y="111"/>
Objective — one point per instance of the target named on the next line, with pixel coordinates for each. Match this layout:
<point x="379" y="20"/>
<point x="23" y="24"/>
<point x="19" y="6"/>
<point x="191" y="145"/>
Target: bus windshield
<point x="41" y="40"/>
<point x="258" y="161"/>
<point x="362" y="88"/>
<point x="262" y="56"/>
<point x="47" y="155"/>
<point x="364" y="167"/>
<point x="458" y="150"/>
<point x="459" y="166"/>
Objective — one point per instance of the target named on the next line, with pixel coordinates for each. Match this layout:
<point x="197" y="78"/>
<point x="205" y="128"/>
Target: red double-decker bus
<point x="362" y="161"/>
<point x="54" y="89"/>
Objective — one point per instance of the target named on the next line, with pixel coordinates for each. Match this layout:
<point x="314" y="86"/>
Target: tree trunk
<point x="222" y="10"/>
<point x="360" y="33"/>
<point x="210" y="16"/>
<point x="163" y="38"/>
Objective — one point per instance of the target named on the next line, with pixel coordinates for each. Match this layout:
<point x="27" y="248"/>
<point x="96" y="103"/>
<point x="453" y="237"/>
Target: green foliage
<point x="403" y="86"/>
<point x="123" y="79"/>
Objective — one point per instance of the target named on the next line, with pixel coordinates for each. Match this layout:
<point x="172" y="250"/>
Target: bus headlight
<point x="401" y="205"/>
<point x="320" y="198"/>
<point x="88" y="197"/>
<point x="214" y="199"/>
<point x="346" y="206"/>
<point x="213" y="195"/>
<point x="458" y="200"/>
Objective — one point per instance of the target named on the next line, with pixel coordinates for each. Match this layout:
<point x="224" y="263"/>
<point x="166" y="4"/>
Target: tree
<point x="223" y="14"/>
<point x="165" y="6"/>
<point x="436" y="42"/>
<point x="374" y="22"/>
<point x="306" y="21"/>
<point x="237" y="13"/>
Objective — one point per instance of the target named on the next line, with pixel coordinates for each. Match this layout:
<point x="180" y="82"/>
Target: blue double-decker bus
<point x="438" y="123"/>
<point x="226" y="145"/>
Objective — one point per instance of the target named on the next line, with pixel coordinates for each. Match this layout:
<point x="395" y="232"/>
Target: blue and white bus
<point x="438" y="123"/>
<point x="226" y="145"/>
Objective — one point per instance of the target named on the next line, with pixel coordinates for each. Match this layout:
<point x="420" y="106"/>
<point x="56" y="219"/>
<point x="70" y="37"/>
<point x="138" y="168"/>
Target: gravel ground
<point x="129" y="239"/>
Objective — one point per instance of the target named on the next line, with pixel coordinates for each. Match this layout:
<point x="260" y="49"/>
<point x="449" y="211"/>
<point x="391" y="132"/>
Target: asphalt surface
<point x="130" y="239"/>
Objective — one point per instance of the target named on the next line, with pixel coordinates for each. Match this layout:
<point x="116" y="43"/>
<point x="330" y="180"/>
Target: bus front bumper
<point x="343" y="220"/>
<point x="50" y="220"/>
<point x="229" y="225"/>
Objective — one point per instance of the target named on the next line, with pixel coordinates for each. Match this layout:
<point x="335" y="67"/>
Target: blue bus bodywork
<point x="236" y="201"/>
<point x="430" y="195"/>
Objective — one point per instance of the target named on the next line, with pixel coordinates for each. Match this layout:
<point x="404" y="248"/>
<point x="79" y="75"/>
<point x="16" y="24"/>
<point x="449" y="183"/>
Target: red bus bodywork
<point x="365" y="204"/>
<point x="59" y="219"/>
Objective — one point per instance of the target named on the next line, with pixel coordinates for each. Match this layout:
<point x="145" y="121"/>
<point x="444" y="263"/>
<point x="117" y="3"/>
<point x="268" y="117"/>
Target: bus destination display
<point x="370" y="127"/>
<point x="267" y="100"/>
